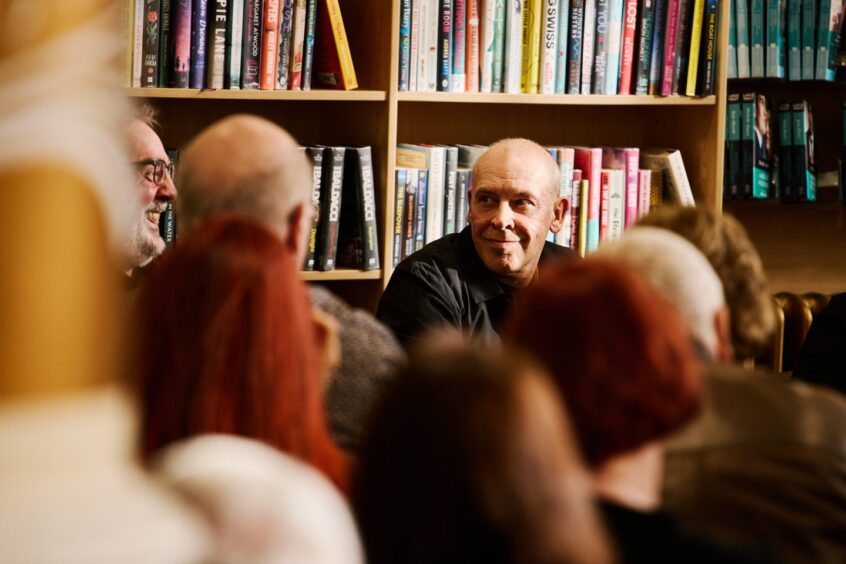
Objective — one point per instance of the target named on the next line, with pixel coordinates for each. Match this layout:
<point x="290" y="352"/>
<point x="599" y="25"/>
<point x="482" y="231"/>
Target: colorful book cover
<point x="399" y="214"/>
<point x="181" y="40"/>
<point x="404" y="45"/>
<point x="334" y="61"/>
<point x="232" y="78"/>
<point x="828" y="38"/>
<point x="604" y="203"/>
<point x="565" y="167"/>
<point x="588" y="230"/>
<point x="298" y="28"/>
<point x="627" y="49"/>
<point x="409" y="212"/>
<point x="743" y="40"/>
<point x="707" y="75"/>
<point x="683" y="37"/>
<point x="600" y="54"/>
<point x="589" y="161"/>
<point x="472" y="49"/>
<point x="731" y="54"/>
<point x="670" y="47"/>
<point x="532" y="16"/>
<point x="613" y="45"/>
<point x="762" y="148"/>
<point x="458" y="80"/>
<point x="696" y="29"/>
<point x="150" y="49"/>
<point x="270" y="45"/>
<point x="757" y="18"/>
<point x="216" y="63"/>
<point x="497" y="72"/>
<point x="794" y="39"/>
<point x="561" y="61"/>
<point x="809" y="40"/>
<point x="199" y="35"/>
<point x="444" y="63"/>
<point x="776" y="19"/>
<point x="308" y="43"/>
<point x="656" y="64"/>
<point x="286" y="25"/>
<point x="734" y="138"/>
<point x="644" y="45"/>
<point x="574" y="47"/>
<point x="164" y="62"/>
<point x="513" y="46"/>
<point x="588" y="35"/>
<point x="251" y="45"/>
<point x="785" y="153"/>
<point x="549" y="47"/>
<point x="632" y="155"/>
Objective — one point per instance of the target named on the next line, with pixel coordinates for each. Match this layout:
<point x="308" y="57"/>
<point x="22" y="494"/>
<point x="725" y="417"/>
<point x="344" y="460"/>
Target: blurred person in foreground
<point x="822" y="360"/>
<point x="764" y="460"/>
<point x="71" y="489"/>
<point x="622" y="359"/>
<point x="468" y="280"/>
<point x="469" y="458"/>
<point x="246" y="164"/>
<point x="239" y="350"/>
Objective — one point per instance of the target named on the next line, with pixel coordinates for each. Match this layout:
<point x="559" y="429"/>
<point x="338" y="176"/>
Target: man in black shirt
<point x="467" y="280"/>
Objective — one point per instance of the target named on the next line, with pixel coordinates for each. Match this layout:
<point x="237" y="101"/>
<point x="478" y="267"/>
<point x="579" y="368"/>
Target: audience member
<point x="154" y="181"/>
<point x="470" y="459"/>
<point x="763" y="461"/>
<point x="262" y="505"/>
<point x="469" y="279"/>
<point x="624" y="364"/>
<point x="248" y="165"/>
<point x="733" y="257"/>
<point x="71" y="490"/>
<point x="822" y="359"/>
<point x="237" y="351"/>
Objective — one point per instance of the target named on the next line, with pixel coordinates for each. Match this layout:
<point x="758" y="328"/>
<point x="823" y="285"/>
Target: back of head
<point x="679" y="272"/>
<point x="724" y="242"/>
<point x="227" y="344"/>
<point x="617" y="351"/>
<point x="243" y="164"/>
<point x="468" y="459"/>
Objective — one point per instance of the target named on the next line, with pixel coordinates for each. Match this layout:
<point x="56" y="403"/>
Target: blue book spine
<point x="420" y="212"/>
<point x="199" y="23"/>
<point x="809" y="13"/>
<point x="615" y="32"/>
<point x="404" y="44"/>
<point x="743" y="61"/>
<point x="794" y="39"/>
<point x="731" y="54"/>
<point x="308" y="43"/>
<point x="757" y="38"/>
<point x="775" y="38"/>
<point x="644" y="46"/>
<point x="762" y="148"/>
<point x="828" y="38"/>
<point x="657" y="58"/>
<point x="561" y="62"/>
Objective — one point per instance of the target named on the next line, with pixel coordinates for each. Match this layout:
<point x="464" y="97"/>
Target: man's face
<point x="512" y="208"/>
<point x="145" y="145"/>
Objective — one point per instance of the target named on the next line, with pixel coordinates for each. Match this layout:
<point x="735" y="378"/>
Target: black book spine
<point x="399" y="209"/>
<point x="747" y="149"/>
<point x="574" y="61"/>
<point x="330" y="209"/>
<point x="420" y="212"/>
<point x="216" y="45"/>
<point x="315" y="155"/>
<point x="708" y="49"/>
<point x="644" y="45"/>
<point x="656" y="59"/>
<point x="150" y="49"/>
<point x="409" y="212"/>
<point x="600" y="42"/>
<point x="367" y="198"/>
<point x="683" y="34"/>
<point x="308" y="43"/>
<point x="450" y="189"/>
<point x="251" y="45"/>
<point x="357" y="240"/>
<point x="164" y="44"/>
<point x="181" y="43"/>
<point x="444" y="45"/>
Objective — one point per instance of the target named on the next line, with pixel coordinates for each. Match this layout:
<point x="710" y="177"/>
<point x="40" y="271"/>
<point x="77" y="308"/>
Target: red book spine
<point x="627" y="54"/>
<point x="269" y="44"/>
<point x="472" y="56"/>
<point x="670" y="47"/>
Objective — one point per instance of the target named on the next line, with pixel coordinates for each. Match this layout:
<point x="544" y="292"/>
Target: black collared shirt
<point x="447" y="284"/>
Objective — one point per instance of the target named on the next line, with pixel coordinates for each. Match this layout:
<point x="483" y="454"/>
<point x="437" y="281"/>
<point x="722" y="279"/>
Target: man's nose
<point x="503" y="217"/>
<point x="167" y="189"/>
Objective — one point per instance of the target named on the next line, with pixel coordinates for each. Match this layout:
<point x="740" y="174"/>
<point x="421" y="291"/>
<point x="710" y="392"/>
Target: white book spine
<point x="487" y="49"/>
<point x="616" y="204"/>
<point x="414" y="55"/>
<point x="138" y="43"/>
<point x="235" y="44"/>
<point x="513" y="45"/>
<point x="432" y="46"/>
<point x="423" y="45"/>
<point x="435" y="194"/>
<point x="565" y="164"/>
<point x="549" y="51"/>
<point x="644" y="181"/>
<point x="587" y="45"/>
<point x="615" y="34"/>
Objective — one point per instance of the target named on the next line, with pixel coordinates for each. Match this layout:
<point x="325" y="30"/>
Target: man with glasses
<point x="154" y="179"/>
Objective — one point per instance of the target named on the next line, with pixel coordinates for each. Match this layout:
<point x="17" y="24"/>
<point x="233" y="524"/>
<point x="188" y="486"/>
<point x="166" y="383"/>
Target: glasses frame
<point x="159" y="167"/>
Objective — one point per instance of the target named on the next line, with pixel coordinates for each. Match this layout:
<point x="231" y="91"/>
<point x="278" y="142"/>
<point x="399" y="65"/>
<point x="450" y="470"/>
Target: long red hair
<point x="228" y="344"/>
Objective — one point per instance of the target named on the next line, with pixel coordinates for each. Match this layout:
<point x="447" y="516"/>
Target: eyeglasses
<point x="159" y="167"/>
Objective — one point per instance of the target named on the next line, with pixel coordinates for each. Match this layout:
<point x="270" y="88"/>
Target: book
<point x="420" y="210"/>
<point x="402" y="176"/>
<point x="614" y="45"/>
<point x="574" y="48"/>
<point x="761" y="161"/>
<point x="604" y="204"/>
<point x="432" y="159"/>
<point x="486" y="27"/>
<point x="215" y="65"/>
<point x="150" y="49"/>
<point x="334" y="65"/>
<point x="696" y="30"/>
<point x="644" y="46"/>
<point x="828" y="38"/>
<point x="497" y="72"/>
<point x="627" y="49"/>
<point x="731" y="53"/>
<point x="656" y="64"/>
<point x="232" y="76"/>
<point x="167" y="225"/>
<point x="670" y="47"/>
<point x="450" y="187"/>
<point x="575" y="209"/>
<point x="632" y="156"/>
<point x="583" y="231"/>
<point x="756" y="38"/>
<point x="671" y="162"/>
<point x="588" y="34"/>
<point x="743" y="40"/>
<point x="404" y="45"/>
<point x="472" y="55"/>
<point x="532" y="17"/>
<point x="644" y="183"/>
<point x="803" y="143"/>
<point x="561" y="62"/>
<point x="444" y="62"/>
<point x="427" y="78"/>
<point x="706" y="81"/>
<point x="809" y="19"/>
<point x="513" y="46"/>
<point x="733" y="147"/>
<point x="315" y="155"/>
<point x="308" y="43"/>
<point x="181" y="41"/>
<point x="566" y="157"/>
<point x="164" y="62"/>
<point x="589" y="161"/>
<point x="458" y="80"/>
<point x="747" y="136"/>
<point x="600" y="54"/>
<point x="683" y="37"/>
<point x="789" y="192"/>
<point x="409" y="212"/>
<point x="616" y="204"/>
<point x="776" y="20"/>
<point x="286" y="22"/>
<point x="463" y="179"/>
<point x="549" y="47"/>
<point x="269" y="44"/>
<point x="199" y="23"/>
<point x="413" y="42"/>
<point x="326" y="247"/>
<point x="358" y="242"/>
<point x="137" y="42"/>
<point x="298" y="30"/>
<point x="794" y="39"/>
<point x="251" y="45"/>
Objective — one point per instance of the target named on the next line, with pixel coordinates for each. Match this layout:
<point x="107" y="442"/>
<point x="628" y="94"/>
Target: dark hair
<point x="468" y="459"/>
<point x="228" y="345"/>
<point x="618" y="352"/>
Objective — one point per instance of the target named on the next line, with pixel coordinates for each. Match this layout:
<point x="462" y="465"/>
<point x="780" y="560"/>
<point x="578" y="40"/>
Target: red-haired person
<point x="624" y="363"/>
<point x="229" y="344"/>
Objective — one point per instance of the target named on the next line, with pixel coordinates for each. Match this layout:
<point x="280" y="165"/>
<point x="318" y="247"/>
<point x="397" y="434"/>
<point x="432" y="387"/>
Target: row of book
<point x="793" y="39"/>
<point x="238" y="44"/>
<point x="608" y="188"/>
<point x="754" y="167"/>
<point x="661" y="47"/>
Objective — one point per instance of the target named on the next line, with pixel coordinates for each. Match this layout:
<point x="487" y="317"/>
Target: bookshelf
<point x="801" y="244"/>
<point x="377" y="114"/>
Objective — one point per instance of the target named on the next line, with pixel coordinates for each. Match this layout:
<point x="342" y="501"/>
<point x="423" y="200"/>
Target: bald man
<point x="467" y="280"/>
<point x="248" y="165"/>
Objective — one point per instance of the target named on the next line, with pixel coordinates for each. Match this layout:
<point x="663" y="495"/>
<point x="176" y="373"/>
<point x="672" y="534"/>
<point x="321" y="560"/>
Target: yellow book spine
<point x="584" y="196"/>
<point x="333" y="9"/>
<point x="530" y="76"/>
<point x="695" y="39"/>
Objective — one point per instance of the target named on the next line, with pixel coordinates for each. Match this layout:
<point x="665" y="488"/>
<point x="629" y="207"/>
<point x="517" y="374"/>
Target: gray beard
<point x="144" y="247"/>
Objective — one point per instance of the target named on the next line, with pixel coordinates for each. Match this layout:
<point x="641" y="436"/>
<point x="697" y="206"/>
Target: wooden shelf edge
<point x="267" y="95"/>
<point x="555" y="99"/>
<point x="343" y="274"/>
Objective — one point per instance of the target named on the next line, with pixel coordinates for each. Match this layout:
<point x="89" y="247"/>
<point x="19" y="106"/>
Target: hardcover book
<point x="670" y="162"/>
<point x="215" y="65"/>
<point x="181" y="40"/>
<point x="150" y="51"/>
<point x="330" y="208"/>
<point x="789" y="192"/>
<point x="315" y="155"/>
<point x="251" y="45"/>
<point x="358" y="244"/>
<point x="199" y="35"/>
<point x="334" y="68"/>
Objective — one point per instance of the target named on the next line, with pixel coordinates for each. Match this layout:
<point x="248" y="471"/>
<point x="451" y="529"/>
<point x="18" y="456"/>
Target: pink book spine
<point x="577" y="197"/>
<point x="670" y="47"/>
<point x="472" y="56"/>
<point x="632" y="162"/>
<point x="627" y="54"/>
<point x="644" y="184"/>
<point x="594" y="178"/>
<point x="604" y="210"/>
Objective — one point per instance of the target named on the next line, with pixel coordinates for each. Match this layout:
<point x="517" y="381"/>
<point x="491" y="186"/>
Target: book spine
<point x="775" y="39"/>
<point x="614" y="44"/>
<point x="138" y="42"/>
<point x="497" y="73"/>
<point x="588" y="34"/>
<point x="235" y="39"/>
<point x="512" y="70"/>
<point x="463" y="180"/>
<point x="251" y="45"/>
<point x="409" y="212"/>
<point x="404" y="45"/>
<point x="420" y="210"/>
<point x="706" y="81"/>
<point x="150" y="48"/>
<point x="216" y="45"/>
<point x="565" y="167"/>
<point x="413" y="42"/>
<point x="308" y="43"/>
<point x="315" y="154"/>
<point x="532" y="15"/>
<point x="794" y="39"/>
<point x="269" y="44"/>
<point x="341" y="45"/>
<point x="600" y="57"/>
<point x="657" y="56"/>
<point x="367" y="197"/>
<point x="604" y="204"/>
<point x="644" y="46"/>
<point x="399" y="214"/>
<point x="458" y="78"/>
<point x="448" y="219"/>
<point x="575" y="206"/>
<point x="683" y="36"/>
<point x="835" y="37"/>
<point x="574" y="48"/>
<point x="757" y="27"/>
<point x="828" y="38"/>
<point x="734" y="136"/>
<point x="487" y="46"/>
<point x="785" y="152"/>
<point x="432" y="27"/>
<point x="128" y="31"/>
<point x="472" y="49"/>
<point x="295" y="69"/>
<point x="616" y="204"/>
<point x="807" y="133"/>
<point x="549" y="50"/>
<point x="696" y="29"/>
<point x="809" y="14"/>
<point x="761" y="148"/>
<point x="742" y="31"/>
<point x="747" y="132"/>
<point x="561" y="61"/>
<point x="585" y="233"/>
<point x="444" y="45"/>
<point x="164" y="61"/>
<point x="435" y="194"/>
<point x="731" y="54"/>
<point x="632" y="156"/>
<point x="283" y="57"/>
<point x="330" y="209"/>
<point x="670" y="47"/>
<point x="627" y="51"/>
<point x="199" y="35"/>
<point x="644" y="181"/>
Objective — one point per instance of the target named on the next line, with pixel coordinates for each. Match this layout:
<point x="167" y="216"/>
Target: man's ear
<point x="299" y="225"/>
<point x="559" y="208"/>
<point x="722" y="328"/>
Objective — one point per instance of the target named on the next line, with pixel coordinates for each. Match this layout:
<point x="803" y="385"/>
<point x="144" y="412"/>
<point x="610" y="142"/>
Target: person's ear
<point x="328" y="343"/>
<point x="299" y="225"/>
<point x="558" y="210"/>
<point x="722" y="328"/>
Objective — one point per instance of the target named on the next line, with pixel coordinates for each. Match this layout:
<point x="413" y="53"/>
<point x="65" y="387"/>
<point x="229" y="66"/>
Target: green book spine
<point x="776" y="14"/>
<point x="794" y="39"/>
<point x="746" y="134"/>
<point x="761" y="148"/>
<point x="733" y="139"/>
<point x="785" y="152"/>
<point x="742" y="13"/>
<point x="756" y="26"/>
<point x="731" y="54"/>
<point x="809" y="12"/>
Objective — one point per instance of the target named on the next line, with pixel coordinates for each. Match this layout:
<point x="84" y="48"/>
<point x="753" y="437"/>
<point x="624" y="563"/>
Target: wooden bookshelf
<point x="377" y="114"/>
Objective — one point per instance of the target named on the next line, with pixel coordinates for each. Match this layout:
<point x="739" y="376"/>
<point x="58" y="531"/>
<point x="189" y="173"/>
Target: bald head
<point x="245" y="164"/>
<point x="514" y="154"/>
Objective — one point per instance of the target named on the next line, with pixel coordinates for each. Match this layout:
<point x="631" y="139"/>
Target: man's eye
<point x="484" y="199"/>
<point x="148" y="174"/>
<point x="522" y="203"/>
